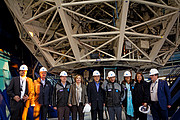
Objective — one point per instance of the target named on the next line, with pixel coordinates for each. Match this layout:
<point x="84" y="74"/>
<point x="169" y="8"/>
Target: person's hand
<point x="17" y="98"/>
<point x="169" y="106"/>
<point x="90" y="104"/>
<point x="33" y="105"/>
<point x="55" y="108"/>
<point x="49" y="105"/>
<point x="122" y="106"/>
<point x="25" y="97"/>
<point x="145" y="104"/>
<point x="70" y="105"/>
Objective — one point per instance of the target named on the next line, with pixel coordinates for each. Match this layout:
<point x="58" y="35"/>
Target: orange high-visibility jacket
<point x="31" y="98"/>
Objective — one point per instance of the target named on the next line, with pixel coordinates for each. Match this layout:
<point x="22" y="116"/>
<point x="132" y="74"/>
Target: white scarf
<point x="22" y="85"/>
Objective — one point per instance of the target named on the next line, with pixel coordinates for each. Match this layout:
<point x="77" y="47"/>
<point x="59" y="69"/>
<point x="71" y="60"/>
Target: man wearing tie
<point x="96" y="96"/>
<point x="21" y="93"/>
<point x="160" y="96"/>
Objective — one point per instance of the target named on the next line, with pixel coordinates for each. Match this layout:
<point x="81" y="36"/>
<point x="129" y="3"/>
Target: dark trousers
<point x="95" y="112"/>
<point x="44" y="110"/>
<point x="40" y="111"/>
<point x="78" y="109"/>
<point x="114" y="110"/>
<point x="157" y="112"/>
<point x="139" y="115"/>
<point x="63" y="112"/>
<point x="17" y="110"/>
<point x="128" y="117"/>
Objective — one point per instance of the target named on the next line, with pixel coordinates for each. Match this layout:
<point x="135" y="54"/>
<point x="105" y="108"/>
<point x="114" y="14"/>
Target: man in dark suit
<point x="160" y="96"/>
<point x="20" y="92"/>
<point x="96" y="96"/>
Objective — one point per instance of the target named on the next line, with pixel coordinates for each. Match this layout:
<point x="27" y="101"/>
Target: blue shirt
<point x="97" y="85"/>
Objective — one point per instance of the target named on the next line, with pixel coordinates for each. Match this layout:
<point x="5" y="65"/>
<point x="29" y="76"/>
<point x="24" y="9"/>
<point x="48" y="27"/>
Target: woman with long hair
<point x="128" y="87"/>
<point x="140" y="96"/>
<point x="78" y="98"/>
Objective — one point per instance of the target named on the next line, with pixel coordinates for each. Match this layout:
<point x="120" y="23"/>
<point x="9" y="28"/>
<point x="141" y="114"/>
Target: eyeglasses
<point x="152" y="75"/>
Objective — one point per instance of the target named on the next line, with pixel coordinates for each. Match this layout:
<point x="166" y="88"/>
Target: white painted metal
<point x="74" y="34"/>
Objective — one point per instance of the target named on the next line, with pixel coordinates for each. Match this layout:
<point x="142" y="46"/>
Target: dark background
<point x="10" y="41"/>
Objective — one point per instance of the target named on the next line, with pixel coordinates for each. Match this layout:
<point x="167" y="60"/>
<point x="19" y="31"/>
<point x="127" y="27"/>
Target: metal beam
<point x="94" y="34"/>
<point x="86" y="2"/>
<point x="40" y="14"/>
<point x="101" y="46"/>
<point x="154" y="4"/>
<point x="34" y="38"/>
<point x="160" y="43"/>
<point x="54" y="41"/>
<point x="91" y="19"/>
<point x="98" y="50"/>
<point x="152" y="20"/>
<point x="170" y="54"/>
<point x="49" y="26"/>
<point x="68" y="30"/>
<point x="144" y="35"/>
<point x="59" y="59"/>
<point x="123" y="16"/>
<point x="58" y="53"/>
<point x="145" y="54"/>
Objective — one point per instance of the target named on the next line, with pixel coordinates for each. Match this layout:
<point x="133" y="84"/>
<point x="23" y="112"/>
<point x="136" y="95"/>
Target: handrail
<point x="175" y="116"/>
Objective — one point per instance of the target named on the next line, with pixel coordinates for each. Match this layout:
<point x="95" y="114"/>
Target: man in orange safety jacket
<point x="43" y="93"/>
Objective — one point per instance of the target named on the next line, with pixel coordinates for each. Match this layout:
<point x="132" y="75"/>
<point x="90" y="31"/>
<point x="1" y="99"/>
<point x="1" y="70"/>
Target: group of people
<point x="132" y="96"/>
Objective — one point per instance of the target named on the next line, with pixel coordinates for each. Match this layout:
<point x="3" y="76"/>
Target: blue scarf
<point x="130" y="109"/>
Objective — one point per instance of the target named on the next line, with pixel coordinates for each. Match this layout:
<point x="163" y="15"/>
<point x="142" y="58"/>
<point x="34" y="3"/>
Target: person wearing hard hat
<point x="96" y="96"/>
<point x="160" y="96"/>
<point x="60" y="97"/>
<point x="43" y="93"/>
<point x="140" y="97"/>
<point x="128" y="87"/>
<point x="78" y="97"/>
<point x="21" y="93"/>
<point x="114" y="96"/>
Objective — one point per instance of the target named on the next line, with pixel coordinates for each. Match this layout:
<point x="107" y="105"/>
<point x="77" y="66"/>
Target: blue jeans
<point x="114" y="110"/>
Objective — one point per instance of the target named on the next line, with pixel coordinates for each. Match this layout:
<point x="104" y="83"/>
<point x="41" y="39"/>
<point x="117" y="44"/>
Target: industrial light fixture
<point x="31" y="33"/>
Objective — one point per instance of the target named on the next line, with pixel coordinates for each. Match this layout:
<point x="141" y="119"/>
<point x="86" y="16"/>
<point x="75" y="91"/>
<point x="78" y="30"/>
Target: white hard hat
<point x="111" y="74"/>
<point x="96" y="73"/>
<point x="144" y="109"/>
<point x="63" y="73"/>
<point x="127" y="74"/>
<point x="23" y="67"/>
<point x="43" y="69"/>
<point x="87" y="108"/>
<point x="153" y="71"/>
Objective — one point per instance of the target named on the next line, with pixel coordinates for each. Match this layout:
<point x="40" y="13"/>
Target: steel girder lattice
<point x="73" y="34"/>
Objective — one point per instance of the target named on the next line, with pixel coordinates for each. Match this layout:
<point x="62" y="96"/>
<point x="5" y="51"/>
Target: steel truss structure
<point x="74" y="34"/>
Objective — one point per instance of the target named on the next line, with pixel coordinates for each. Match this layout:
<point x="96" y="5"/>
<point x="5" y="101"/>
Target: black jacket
<point x="141" y="94"/>
<point x="125" y="89"/>
<point x="61" y="94"/>
<point x="43" y="95"/>
<point x="95" y="98"/>
<point x="114" y="94"/>
<point x="14" y="89"/>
